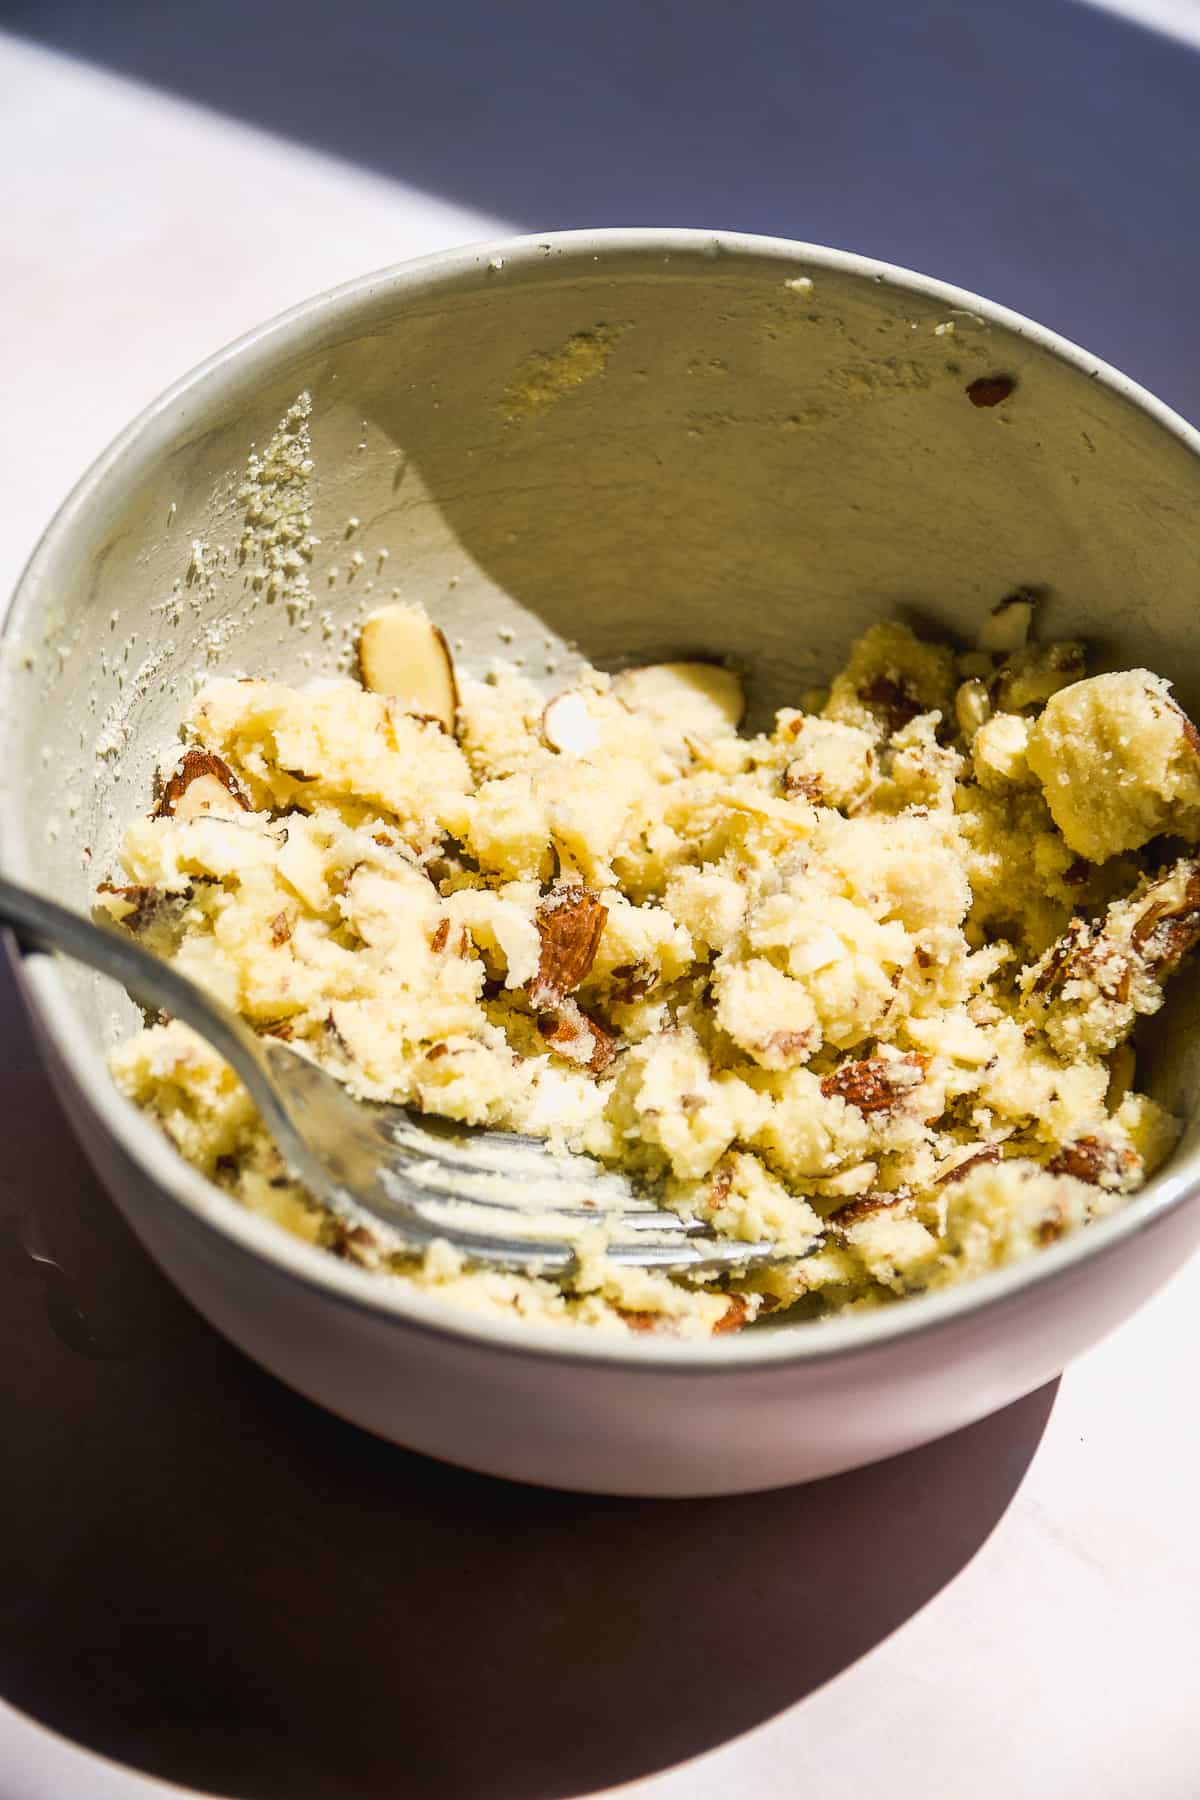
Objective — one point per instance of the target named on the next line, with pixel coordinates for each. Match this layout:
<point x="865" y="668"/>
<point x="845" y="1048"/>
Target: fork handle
<point x="41" y="924"/>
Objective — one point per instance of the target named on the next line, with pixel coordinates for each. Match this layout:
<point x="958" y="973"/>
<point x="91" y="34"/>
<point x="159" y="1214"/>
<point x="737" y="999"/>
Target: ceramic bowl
<point x="625" y="444"/>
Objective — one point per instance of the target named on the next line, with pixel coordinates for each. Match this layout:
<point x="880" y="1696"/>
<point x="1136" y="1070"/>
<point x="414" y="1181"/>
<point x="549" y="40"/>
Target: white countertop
<point x="1062" y="1659"/>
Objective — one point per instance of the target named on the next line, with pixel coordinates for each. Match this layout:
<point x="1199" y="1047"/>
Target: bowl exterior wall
<point x="616" y="1428"/>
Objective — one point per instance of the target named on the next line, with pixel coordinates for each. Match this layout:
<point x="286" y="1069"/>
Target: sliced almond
<point x="567" y="725"/>
<point x="403" y="656"/>
<point x="972" y="707"/>
<point x="301" y="864"/>
<point x="685" y="697"/>
<point x="1008" y="625"/>
<point x="569" y="923"/>
<point x="199" y="783"/>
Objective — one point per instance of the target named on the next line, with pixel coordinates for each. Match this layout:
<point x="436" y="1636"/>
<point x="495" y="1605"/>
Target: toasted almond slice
<point x="1008" y="625"/>
<point x="567" y="725"/>
<point x="403" y="655"/>
<point x="697" y="698"/>
<point x="199" y="783"/>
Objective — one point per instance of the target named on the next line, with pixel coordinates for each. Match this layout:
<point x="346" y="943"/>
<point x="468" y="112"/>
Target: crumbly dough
<point x="860" y="985"/>
<point x="1118" y="762"/>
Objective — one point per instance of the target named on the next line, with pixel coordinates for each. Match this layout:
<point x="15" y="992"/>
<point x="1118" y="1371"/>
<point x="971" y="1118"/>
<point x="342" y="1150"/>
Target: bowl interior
<point x="618" y="445"/>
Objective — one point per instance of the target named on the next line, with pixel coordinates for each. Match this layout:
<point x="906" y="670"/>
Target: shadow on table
<point x="1041" y="151"/>
<point x="209" y="1579"/>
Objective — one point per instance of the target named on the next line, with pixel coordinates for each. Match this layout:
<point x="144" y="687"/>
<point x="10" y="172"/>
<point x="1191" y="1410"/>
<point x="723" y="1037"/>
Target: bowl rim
<point x="264" y="349"/>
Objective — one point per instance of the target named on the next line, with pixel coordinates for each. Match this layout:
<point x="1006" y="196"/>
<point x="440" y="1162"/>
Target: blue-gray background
<point x="1041" y="152"/>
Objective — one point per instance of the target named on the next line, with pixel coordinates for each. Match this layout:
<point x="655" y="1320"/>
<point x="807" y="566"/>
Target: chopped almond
<point x="578" y="1037"/>
<point x="1167" y="930"/>
<point x="734" y="1316"/>
<point x="798" y="784"/>
<point x="866" y="1206"/>
<point x="131" y="906"/>
<point x="990" y="1153"/>
<point x="632" y="981"/>
<point x="1095" y="1160"/>
<point x="893" y="700"/>
<point x="569" y="922"/>
<point x="875" y="1083"/>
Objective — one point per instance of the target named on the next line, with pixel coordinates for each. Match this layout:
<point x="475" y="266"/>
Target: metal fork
<point x="420" y="1180"/>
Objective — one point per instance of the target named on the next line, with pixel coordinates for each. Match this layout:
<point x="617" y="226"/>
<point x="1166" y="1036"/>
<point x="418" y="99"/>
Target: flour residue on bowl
<point x="547" y="376"/>
<point x="277" y="541"/>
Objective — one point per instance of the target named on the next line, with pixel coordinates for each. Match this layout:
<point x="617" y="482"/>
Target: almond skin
<point x="1095" y="1160"/>
<point x="875" y="1083"/>
<point x="991" y="1153"/>
<point x="1165" y="933"/>
<point x="138" y="901"/>
<point x="1190" y="733"/>
<point x="178" y="800"/>
<point x="569" y="922"/>
<point x="892" y="700"/>
<point x="867" y="1206"/>
<point x="734" y="1316"/>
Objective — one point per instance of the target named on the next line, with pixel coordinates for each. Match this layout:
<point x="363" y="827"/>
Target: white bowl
<point x="637" y="442"/>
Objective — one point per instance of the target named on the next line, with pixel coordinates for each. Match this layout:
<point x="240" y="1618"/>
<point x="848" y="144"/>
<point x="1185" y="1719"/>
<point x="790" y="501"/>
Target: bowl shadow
<point x="209" y="1579"/>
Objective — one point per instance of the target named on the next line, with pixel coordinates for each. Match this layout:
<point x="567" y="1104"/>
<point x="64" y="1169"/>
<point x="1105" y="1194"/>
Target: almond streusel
<point x="861" y="985"/>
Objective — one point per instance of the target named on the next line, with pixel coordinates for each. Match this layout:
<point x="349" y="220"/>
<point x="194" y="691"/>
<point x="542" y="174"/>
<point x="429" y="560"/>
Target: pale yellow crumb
<point x="859" y="987"/>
